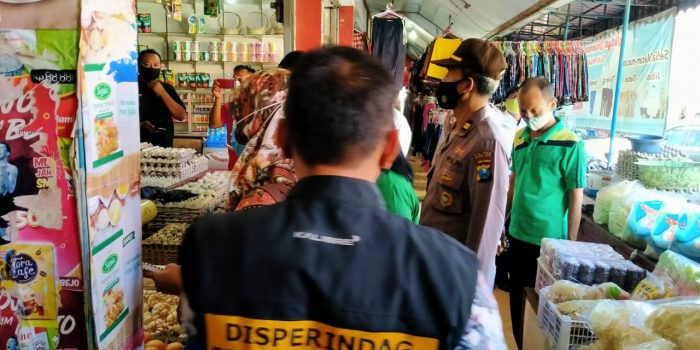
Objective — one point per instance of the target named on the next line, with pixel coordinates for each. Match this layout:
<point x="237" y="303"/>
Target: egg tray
<point x="179" y="169"/>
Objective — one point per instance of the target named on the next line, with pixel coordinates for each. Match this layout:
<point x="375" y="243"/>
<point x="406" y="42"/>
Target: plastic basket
<point x="544" y="277"/>
<point x="563" y="332"/>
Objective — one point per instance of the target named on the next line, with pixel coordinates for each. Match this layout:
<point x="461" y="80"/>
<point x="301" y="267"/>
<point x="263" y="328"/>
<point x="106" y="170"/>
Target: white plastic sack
<point x="606" y="196"/>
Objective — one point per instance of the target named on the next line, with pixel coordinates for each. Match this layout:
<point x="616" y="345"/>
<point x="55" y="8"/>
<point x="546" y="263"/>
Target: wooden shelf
<point x="212" y="36"/>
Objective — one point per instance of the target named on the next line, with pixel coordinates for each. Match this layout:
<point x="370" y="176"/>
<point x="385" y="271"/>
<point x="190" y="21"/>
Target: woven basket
<point x="239" y="24"/>
<point x="257" y="30"/>
<point x="277" y="28"/>
<point x="170" y="215"/>
<point x="162" y="254"/>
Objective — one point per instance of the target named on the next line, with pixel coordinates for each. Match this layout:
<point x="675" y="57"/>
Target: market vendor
<point x="159" y="103"/>
<point x="546" y="192"/>
<point x="221" y="114"/>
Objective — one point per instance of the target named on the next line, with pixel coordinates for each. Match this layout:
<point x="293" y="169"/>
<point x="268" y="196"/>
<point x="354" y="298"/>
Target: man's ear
<point x="553" y="105"/>
<point x="283" y="138"/>
<point x="466" y="86"/>
<point x="391" y="149"/>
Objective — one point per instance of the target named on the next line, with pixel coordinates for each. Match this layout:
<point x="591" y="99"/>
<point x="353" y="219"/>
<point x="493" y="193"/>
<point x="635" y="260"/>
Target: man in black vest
<point x="330" y="268"/>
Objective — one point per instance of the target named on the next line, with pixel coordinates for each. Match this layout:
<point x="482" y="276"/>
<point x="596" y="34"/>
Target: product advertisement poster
<point x="644" y="93"/>
<point x="41" y="283"/>
<point x="111" y="148"/>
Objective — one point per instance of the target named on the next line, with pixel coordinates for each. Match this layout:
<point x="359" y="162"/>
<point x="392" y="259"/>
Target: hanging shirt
<point x="405" y="134"/>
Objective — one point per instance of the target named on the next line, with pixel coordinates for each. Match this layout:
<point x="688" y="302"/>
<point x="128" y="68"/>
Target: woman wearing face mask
<point x="158" y="102"/>
<point x="263" y="173"/>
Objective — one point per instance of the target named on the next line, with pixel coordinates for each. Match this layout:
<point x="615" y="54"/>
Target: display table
<point x="591" y="232"/>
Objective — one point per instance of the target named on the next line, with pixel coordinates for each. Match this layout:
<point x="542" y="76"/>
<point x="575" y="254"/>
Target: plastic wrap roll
<point x="148" y="211"/>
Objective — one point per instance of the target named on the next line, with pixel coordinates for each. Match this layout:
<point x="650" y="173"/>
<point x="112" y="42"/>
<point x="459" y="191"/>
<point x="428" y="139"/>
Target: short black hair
<point x="339" y="105"/>
<point x="290" y="60"/>
<point x="145" y="52"/>
<point x="402" y="167"/>
<point x="485" y="86"/>
<point x="7" y="146"/>
<point x="242" y="67"/>
<point x="542" y="84"/>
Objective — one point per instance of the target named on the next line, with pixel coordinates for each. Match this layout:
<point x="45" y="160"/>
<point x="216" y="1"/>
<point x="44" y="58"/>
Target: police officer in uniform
<point x="330" y="268"/>
<point x="468" y="184"/>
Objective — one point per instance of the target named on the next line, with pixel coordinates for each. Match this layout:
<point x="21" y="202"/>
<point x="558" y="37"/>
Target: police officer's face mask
<point x="447" y="94"/>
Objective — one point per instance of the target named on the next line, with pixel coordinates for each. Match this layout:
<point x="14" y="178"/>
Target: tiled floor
<point x="419" y="184"/>
<point x="504" y="307"/>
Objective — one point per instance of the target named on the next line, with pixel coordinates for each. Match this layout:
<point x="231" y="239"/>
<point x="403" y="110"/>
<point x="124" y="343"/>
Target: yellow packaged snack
<point x="28" y="273"/>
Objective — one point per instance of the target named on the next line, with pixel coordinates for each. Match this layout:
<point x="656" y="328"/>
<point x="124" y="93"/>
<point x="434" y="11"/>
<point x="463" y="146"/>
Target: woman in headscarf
<point x="263" y="174"/>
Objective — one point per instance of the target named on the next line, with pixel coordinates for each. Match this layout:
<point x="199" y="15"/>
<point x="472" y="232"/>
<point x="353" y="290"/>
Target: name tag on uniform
<point x="240" y="333"/>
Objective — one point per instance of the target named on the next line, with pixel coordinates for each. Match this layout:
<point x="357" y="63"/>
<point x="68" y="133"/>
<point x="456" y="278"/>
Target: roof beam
<point x="591" y="16"/>
<point x="619" y="3"/>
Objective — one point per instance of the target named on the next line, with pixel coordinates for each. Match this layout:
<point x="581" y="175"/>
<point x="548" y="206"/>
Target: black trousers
<point x="523" y="271"/>
<point x="388" y="46"/>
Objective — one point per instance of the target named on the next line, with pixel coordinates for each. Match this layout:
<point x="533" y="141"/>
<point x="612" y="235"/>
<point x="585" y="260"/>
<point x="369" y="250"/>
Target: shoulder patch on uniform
<point x="565" y="135"/>
<point x="484" y="162"/>
<point x="519" y="139"/>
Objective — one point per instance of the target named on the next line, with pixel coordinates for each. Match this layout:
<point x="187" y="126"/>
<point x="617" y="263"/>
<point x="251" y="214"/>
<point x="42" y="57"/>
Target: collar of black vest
<point x="338" y="188"/>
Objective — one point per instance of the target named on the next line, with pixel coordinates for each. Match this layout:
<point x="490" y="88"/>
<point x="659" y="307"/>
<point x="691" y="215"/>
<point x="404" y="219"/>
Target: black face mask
<point x="149" y="74"/>
<point x="447" y="94"/>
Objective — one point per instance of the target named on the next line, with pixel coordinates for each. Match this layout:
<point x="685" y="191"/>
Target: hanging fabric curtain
<point x="388" y="43"/>
<point x="563" y="64"/>
<point x="359" y="41"/>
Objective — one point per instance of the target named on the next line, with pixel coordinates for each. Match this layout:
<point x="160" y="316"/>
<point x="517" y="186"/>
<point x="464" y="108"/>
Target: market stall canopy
<point x="429" y="18"/>
<point x="512" y="20"/>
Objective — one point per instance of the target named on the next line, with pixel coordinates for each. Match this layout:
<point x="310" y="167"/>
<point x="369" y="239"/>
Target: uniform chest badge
<point x="446" y="177"/>
<point x="445" y="199"/>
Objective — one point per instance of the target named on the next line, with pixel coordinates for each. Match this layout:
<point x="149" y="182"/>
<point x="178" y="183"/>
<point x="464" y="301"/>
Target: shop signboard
<point x="41" y="277"/>
<point x="110" y="145"/>
<point x="644" y="93"/>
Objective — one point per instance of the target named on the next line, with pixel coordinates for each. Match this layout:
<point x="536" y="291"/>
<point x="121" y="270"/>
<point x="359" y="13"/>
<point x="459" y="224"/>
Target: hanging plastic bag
<point x="606" y="196"/>
<point x="622" y="206"/>
<point x="687" y="239"/>
<point x="212" y="8"/>
<point x="642" y="219"/>
<point x="665" y="229"/>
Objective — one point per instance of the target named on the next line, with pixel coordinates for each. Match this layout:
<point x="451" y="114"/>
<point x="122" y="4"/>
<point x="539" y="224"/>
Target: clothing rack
<point x="562" y="63"/>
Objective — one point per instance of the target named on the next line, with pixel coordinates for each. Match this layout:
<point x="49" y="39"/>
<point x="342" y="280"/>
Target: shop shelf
<point x="564" y="333"/>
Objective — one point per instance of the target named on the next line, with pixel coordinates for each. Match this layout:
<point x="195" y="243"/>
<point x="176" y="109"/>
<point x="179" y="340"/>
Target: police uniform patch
<point x="484" y="162"/>
<point x="445" y="199"/>
<point x="446" y="177"/>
